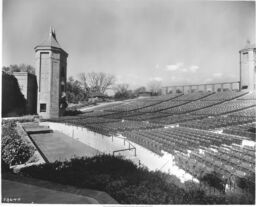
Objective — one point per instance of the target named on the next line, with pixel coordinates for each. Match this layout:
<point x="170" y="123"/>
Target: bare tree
<point x="121" y="88"/>
<point x="122" y="92"/>
<point x="99" y="82"/>
<point x="83" y="79"/>
<point x="140" y="90"/>
<point x="155" y="86"/>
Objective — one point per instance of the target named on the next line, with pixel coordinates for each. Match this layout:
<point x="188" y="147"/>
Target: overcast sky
<point x="136" y="40"/>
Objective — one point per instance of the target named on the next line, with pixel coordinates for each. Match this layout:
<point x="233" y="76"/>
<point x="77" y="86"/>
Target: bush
<point x="247" y="184"/>
<point x="72" y="112"/>
<point x="14" y="149"/>
<point x="122" y="179"/>
<point x="214" y="180"/>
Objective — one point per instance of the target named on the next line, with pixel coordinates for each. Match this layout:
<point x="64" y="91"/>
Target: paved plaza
<point x="58" y="146"/>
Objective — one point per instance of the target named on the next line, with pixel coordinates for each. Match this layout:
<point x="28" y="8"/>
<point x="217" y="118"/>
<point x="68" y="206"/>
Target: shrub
<point x="72" y="112"/>
<point x="247" y="184"/>
<point x="20" y="119"/>
<point x="214" y="179"/>
<point x="14" y="149"/>
<point x="122" y="179"/>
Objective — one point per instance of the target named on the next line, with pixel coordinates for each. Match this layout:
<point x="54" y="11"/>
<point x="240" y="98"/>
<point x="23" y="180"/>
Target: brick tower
<point x="51" y="72"/>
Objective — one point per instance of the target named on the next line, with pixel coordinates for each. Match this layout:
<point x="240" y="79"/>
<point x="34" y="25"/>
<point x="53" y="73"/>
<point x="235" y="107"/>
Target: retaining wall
<point x="108" y="145"/>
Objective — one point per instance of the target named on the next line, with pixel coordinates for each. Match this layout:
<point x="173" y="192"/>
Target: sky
<point x="138" y="41"/>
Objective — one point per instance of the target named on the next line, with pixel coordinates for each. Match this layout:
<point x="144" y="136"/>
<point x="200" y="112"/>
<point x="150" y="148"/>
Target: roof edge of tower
<point x="248" y="47"/>
<point x="47" y="48"/>
<point x="50" y="43"/>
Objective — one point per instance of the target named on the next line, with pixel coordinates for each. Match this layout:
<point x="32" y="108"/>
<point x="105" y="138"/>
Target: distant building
<point x="51" y="72"/>
<point x="28" y="87"/>
<point x="247" y="80"/>
<point x="248" y="67"/>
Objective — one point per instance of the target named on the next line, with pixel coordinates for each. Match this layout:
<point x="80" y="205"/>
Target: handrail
<point x="124" y="150"/>
<point x="164" y="165"/>
<point x="130" y="148"/>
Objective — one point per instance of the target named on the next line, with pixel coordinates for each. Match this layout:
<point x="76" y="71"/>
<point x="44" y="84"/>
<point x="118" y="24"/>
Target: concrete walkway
<point x="24" y="193"/>
<point x="18" y="189"/>
<point x="58" y="146"/>
<point x="53" y="145"/>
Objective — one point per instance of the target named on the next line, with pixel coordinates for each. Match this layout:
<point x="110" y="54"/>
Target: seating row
<point x="210" y="123"/>
<point x="245" y="130"/>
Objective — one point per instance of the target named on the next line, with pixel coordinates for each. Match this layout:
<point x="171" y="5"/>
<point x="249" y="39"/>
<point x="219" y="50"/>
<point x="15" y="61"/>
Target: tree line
<point x="89" y="85"/>
<point x="18" y="68"/>
<point x="93" y="84"/>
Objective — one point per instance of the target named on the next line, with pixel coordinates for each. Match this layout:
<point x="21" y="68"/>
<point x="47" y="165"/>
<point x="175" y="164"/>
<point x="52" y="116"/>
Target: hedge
<point x="122" y="179"/>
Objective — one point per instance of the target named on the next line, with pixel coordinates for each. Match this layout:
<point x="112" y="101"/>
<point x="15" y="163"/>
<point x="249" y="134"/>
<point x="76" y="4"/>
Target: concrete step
<point x="38" y="130"/>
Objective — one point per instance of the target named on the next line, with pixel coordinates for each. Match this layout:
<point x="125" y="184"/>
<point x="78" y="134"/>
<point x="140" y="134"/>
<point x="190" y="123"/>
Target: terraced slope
<point x="188" y="127"/>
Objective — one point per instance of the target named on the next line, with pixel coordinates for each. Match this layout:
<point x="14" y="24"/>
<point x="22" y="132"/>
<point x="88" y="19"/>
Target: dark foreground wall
<point x="28" y="87"/>
<point x="13" y="101"/>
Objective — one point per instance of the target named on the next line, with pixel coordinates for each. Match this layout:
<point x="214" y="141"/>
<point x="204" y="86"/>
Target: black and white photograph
<point x="128" y="102"/>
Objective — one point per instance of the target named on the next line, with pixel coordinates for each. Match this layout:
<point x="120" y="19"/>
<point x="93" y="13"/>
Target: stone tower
<point x="51" y="72"/>
<point x="248" y="67"/>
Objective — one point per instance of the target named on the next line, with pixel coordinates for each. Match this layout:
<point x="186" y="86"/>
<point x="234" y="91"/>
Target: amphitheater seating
<point x="184" y="126"/>
<point x="192" y="106"/>
<point x="245" y="130"/>
<point x="163" y="106"/>
<point x="251" y="112"/>
<point x="227" y="107"/>
<point x="250" y="96"/>
<point x="176" y="119"/>
<point x="92" y="114"/>
<point x="92" y="118"/>
<point x="165" y="97"/>
<point x="108" y="106"/>
<point x="227" y="160"/>
<point x="147" y="142"/>
<point x="205" y="102"/>
<point x="223" y="96"/>
<point x="193" y="96"/>
<point x="111" y="126"/>
<point x="188" y="104"/>
<point x="196" y="103"/>
<point x="146" y="116"/>
<point x="156" y="104"/>
<point x="143" y="102"/>
<point x="183" y="139"/>
<point x="175" y="102"/>
<point x="218" y="122"/>
<point x="134" y="105"/>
